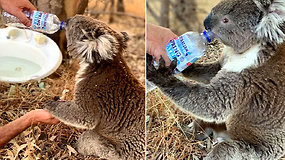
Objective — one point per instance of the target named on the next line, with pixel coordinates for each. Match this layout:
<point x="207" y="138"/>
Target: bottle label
<point x="39" y="20"/>
<point x="179" y="49"/>
<point x="6" y="14"/>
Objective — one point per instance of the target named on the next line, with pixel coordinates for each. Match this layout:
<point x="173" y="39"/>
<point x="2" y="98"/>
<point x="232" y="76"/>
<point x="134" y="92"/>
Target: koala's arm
<point x="208" y="102"/>
<point x="202" y="72"/>
<point x="71" y="114"/>
<point x="211" y="102"/>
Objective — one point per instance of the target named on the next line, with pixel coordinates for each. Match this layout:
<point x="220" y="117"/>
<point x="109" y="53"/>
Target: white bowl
<point x="23" y="59"/>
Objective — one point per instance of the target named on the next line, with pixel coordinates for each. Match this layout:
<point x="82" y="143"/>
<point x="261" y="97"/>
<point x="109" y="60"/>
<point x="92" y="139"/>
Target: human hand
<point x="16" y="8"/>
<point x="157" y="39"/>
<point x="41" y="116"/>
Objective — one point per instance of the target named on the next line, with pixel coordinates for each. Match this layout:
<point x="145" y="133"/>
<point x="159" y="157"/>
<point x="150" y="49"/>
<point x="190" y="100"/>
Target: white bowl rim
<point x="44" y="48"/>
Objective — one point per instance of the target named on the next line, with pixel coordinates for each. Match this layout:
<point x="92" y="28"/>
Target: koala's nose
<point x="68" y="19"/>
<point x="207" y="22"/>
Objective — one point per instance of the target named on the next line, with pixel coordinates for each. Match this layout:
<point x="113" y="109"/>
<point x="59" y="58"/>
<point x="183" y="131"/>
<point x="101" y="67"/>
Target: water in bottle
<point x="188" y="48"/>
<point x="41" y="21"/>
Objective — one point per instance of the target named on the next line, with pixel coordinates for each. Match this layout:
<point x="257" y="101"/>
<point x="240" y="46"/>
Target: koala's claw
<point x="161" y="63"/>
<point x="163" y="73"/>
<point x="149" y="66"/>
<point x="173" y="65"/>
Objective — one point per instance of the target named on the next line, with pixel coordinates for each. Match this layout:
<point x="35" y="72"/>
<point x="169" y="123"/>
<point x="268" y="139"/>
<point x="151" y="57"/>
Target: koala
<point x="109" y="102"/>
<point x="246" y="88"/>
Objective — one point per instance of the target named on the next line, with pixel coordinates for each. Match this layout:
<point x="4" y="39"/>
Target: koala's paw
<point x="162" y="74"/>
<point x="54" y="107"/>
<point x="51" y="106"/>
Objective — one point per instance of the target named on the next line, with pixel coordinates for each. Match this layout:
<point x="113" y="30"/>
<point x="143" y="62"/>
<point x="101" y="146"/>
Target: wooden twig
<point x="103" y="10"/>
<point x="164" y="14"/>
<point x="120" y="6"/>
<point x="112" y="9"/>
<point x="155" y="16"/>
<point x="82" y="6"/>
<point x="179" y="16"/>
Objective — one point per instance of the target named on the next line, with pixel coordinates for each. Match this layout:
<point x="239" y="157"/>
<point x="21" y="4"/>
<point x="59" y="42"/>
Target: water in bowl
<point x="17" y="67"/>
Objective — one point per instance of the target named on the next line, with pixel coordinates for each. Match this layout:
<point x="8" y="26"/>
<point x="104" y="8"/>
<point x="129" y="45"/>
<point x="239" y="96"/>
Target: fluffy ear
<point x="271" y="24"/>
<point x="97" y="49"/>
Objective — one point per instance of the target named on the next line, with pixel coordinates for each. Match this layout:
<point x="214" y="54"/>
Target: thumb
<point x="23" y="18"/>
<point x="30" y="6"/>
<point x="53" y="121"/>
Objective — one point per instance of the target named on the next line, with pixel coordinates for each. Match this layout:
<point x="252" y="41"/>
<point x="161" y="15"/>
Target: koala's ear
<point x="101" y="48"/>
<point x="271" y="24"/>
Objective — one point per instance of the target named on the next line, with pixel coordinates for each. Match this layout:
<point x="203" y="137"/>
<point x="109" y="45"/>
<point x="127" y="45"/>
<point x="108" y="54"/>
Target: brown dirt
<point x="56" y="141"/>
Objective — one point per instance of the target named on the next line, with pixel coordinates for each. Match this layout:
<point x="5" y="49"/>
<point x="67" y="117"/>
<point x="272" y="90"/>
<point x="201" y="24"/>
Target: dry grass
<point x="56" y="141"/>
<point x="165" y="137"/>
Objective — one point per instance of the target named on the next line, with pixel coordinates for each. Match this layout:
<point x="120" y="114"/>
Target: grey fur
<point x="251" y="101"/>
<point x="108" y="99"/>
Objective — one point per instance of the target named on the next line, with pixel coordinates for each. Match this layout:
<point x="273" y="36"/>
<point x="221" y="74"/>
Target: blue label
<point x="180" y="49"/>
<point x="39" y="20"/>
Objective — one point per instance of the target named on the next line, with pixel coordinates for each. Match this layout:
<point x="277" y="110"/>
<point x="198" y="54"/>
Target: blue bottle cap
<point x="209" y="35"/>
<point x="62" y="25"/>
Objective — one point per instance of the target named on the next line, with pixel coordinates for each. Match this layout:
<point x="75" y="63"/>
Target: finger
<point x="162" y="52"/>
<point x="30" y="6"/>
<point x="55" y="121"/>
<point x="23" y="18"/>
<point x="51" y="121"/>
<point x="156" y="58"/>
<point x="166" y="59"/>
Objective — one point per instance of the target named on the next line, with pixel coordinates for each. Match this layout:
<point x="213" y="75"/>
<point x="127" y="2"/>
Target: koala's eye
<point x="226" y="20"/>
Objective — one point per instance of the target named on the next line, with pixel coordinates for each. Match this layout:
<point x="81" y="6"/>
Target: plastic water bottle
<point x="188" y="48"/>
<point x="41" y="21"/>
